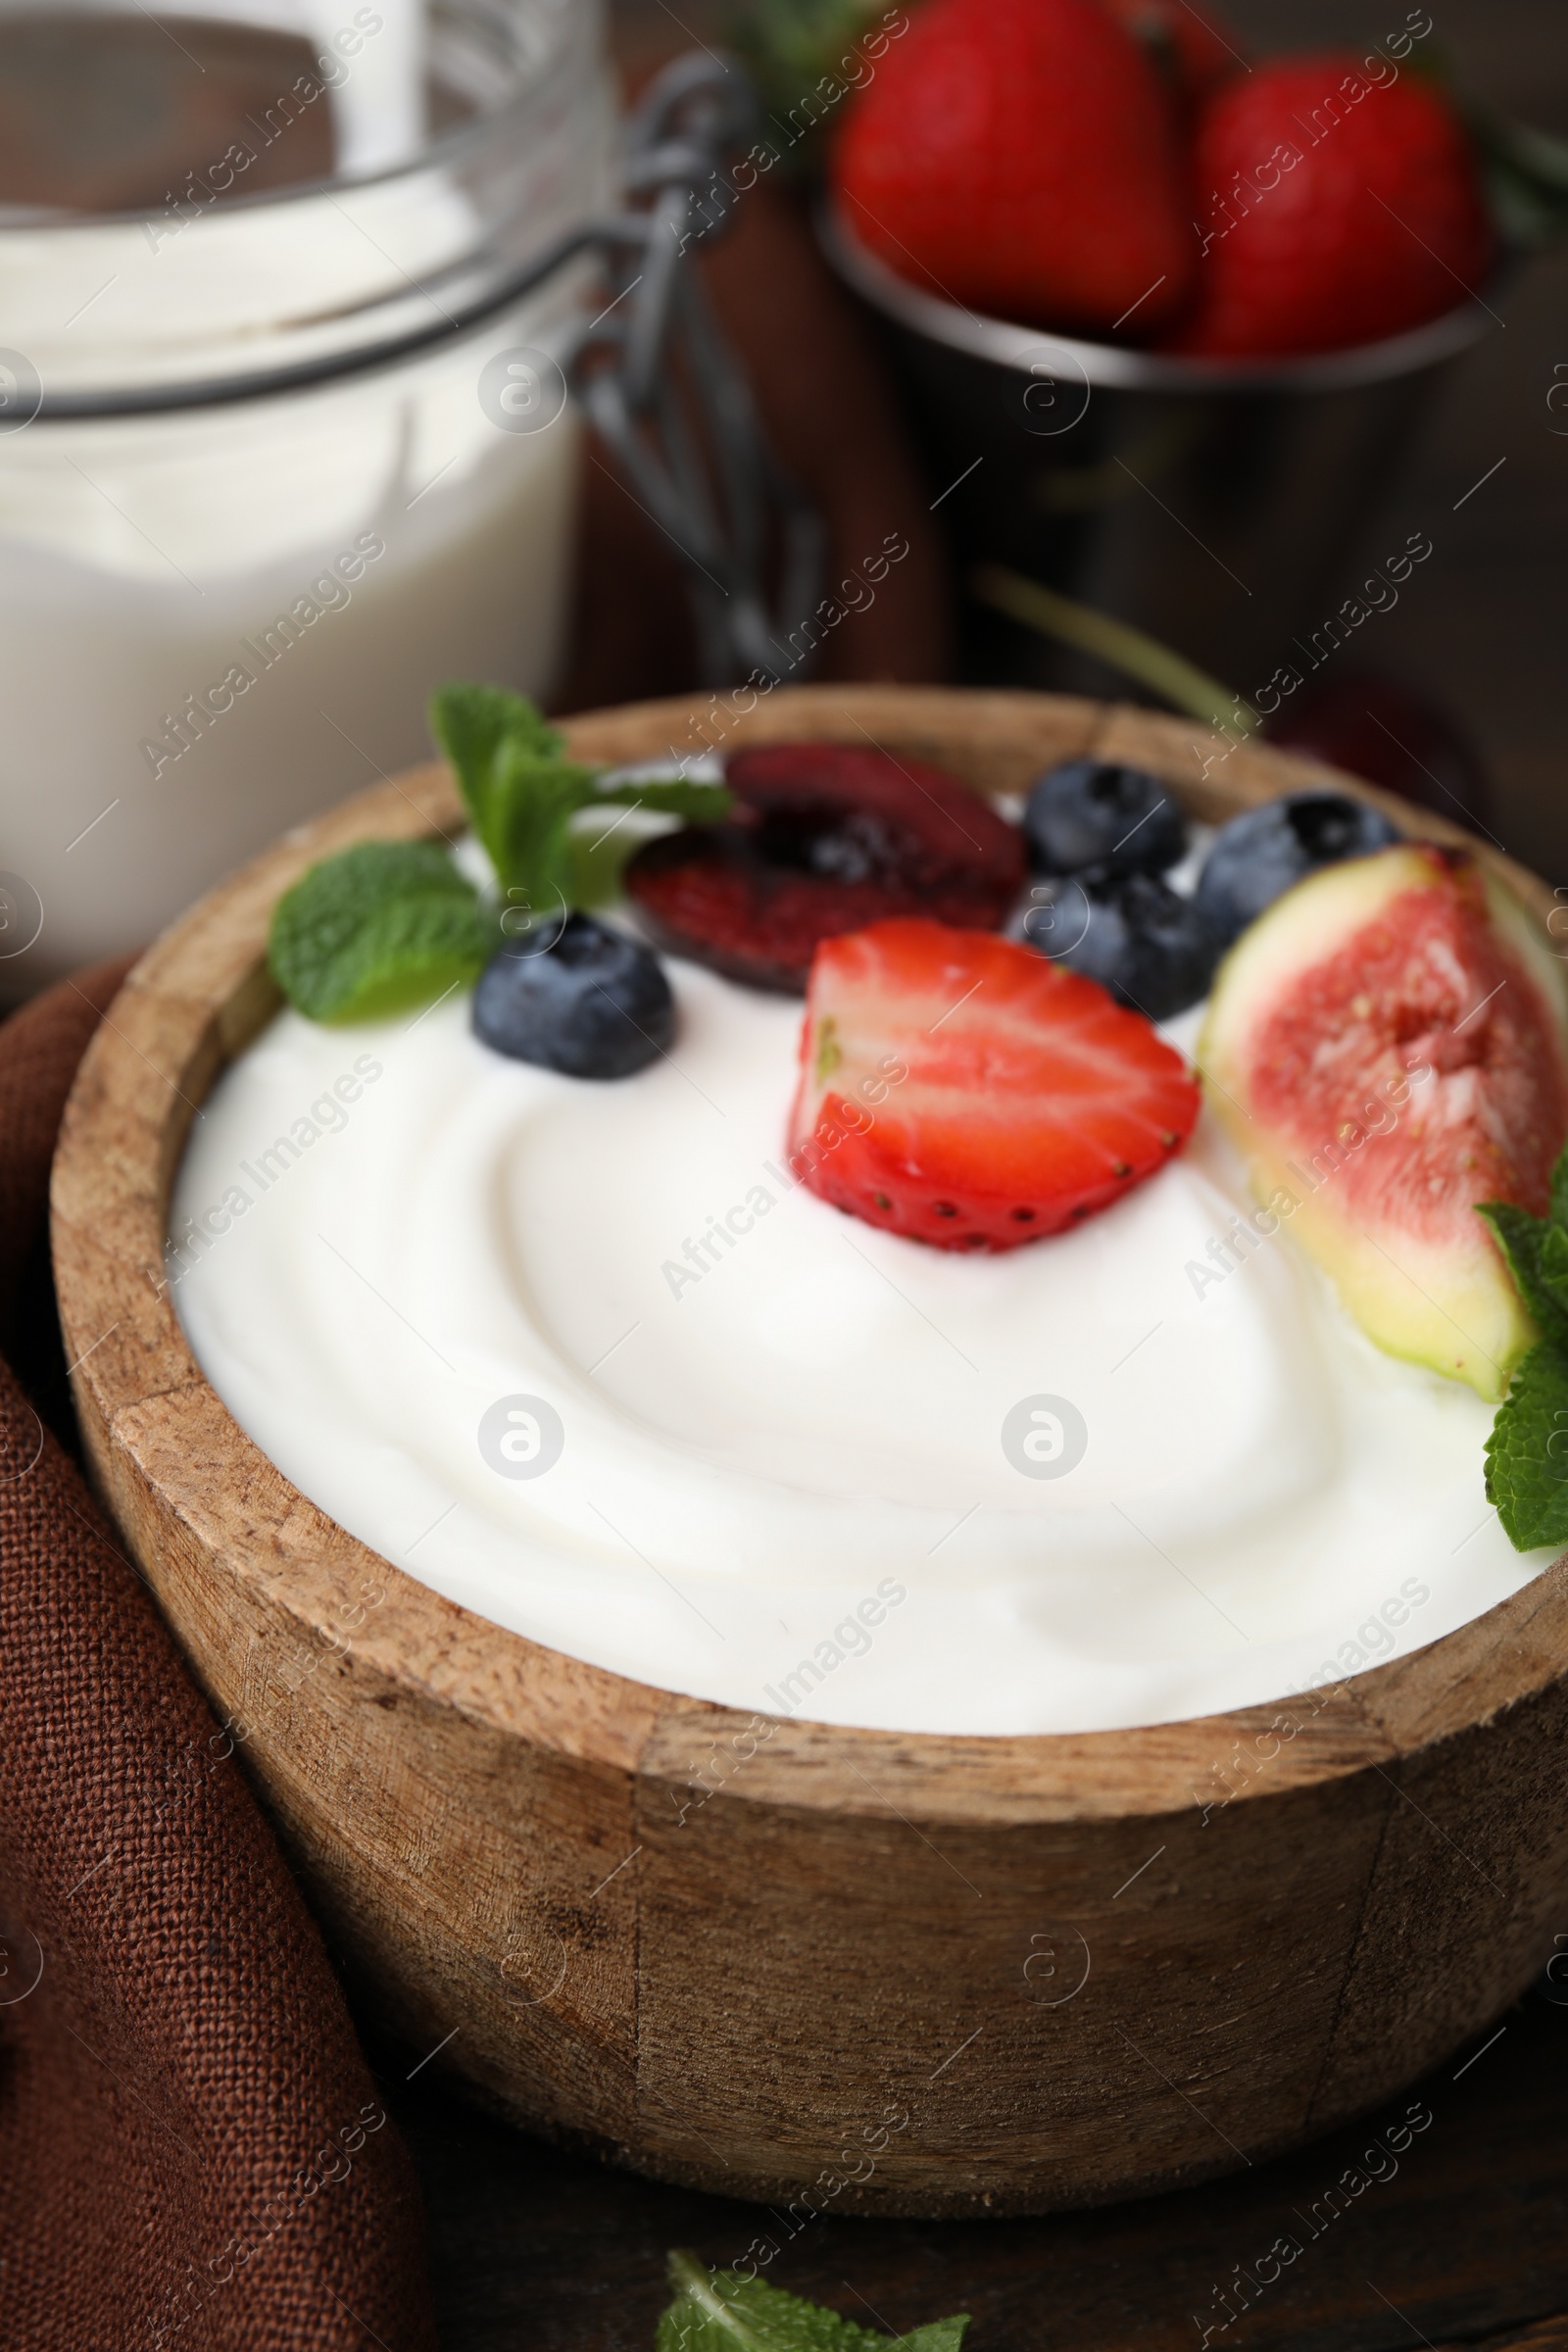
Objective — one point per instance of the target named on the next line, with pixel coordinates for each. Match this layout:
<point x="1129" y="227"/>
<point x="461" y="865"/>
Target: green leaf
<point x="1522" y="1240"/>
<point x="1559" y="1191"/>
<point x="1527" y="1453"/>
<point x="719" y="2311"/>
<point x="471" y="723"/>
<point x="522" y="792"/>
<point x="1554" y="1275"/>
<point x="532" y="800"/>
<point x="392" y="924"/>
<point x="376" y="929"/>
<point x="793" y="50"/>
<point x="522" y="795"/>
<point x="674" y="796"/>
<point x="519" y="790"/>
<point x="1526" y="176"/>
<point x="596" y="858"/>
<point x="528" y="812"/>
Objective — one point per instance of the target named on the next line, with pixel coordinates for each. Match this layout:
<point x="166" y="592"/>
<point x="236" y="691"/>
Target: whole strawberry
<point x="1020" y="155"/>
<point x="1331" y="210"/>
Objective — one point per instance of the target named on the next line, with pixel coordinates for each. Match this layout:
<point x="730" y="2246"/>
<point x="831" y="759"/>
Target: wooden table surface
<point x="1468" y="2241"/>
<point x="1463" y="2236"/>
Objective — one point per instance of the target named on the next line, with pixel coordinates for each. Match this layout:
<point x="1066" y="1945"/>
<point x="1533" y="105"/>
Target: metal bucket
<point x="1212" y="503"/>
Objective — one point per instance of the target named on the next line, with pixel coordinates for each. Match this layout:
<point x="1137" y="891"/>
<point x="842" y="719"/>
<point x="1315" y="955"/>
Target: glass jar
<point x="272" y="466"/>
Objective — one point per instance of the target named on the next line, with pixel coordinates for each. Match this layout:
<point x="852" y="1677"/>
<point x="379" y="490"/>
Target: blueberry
<point x="1258" y="855"/>
<point x="1089" y="814"/>
<point x="1152" y="950"/>
<point x="594" y="1003"/>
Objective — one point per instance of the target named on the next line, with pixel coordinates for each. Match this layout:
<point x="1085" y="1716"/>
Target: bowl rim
<point x="179" y="1471"/>
<point x="1114" y="367"/>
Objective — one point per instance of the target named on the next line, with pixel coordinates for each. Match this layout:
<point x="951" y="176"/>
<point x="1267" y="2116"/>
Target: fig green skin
<point x="1449" y="1303"/>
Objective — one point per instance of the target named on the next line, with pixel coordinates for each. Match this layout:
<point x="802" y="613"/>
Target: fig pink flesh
<point x="1427" y="984"/>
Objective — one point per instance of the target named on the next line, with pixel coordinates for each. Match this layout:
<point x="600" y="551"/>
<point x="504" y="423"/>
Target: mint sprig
<point x="523" y="792"/>
<point x="721" y="2311"/>
<point x="378" y="928"/>
<point x="1527" y="1453"/>
<point x="388" y="925"/>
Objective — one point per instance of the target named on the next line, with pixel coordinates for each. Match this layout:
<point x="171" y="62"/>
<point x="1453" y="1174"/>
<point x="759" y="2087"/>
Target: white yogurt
<point x="212" y="632"/>
<point x="218" y="619"/>
<point x="781" y="1481"/>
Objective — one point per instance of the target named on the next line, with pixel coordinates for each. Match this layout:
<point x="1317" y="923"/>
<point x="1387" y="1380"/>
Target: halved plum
<point x="824" y="838"/>
<point x="1388" y="1045"/>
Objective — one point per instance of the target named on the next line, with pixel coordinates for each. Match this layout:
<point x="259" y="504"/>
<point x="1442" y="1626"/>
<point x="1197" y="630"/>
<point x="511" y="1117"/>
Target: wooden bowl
<point x="822" y="1966"/>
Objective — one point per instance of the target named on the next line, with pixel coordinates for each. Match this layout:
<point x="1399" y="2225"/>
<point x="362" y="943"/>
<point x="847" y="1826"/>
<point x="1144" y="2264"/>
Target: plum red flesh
<point x="824" y="839"/>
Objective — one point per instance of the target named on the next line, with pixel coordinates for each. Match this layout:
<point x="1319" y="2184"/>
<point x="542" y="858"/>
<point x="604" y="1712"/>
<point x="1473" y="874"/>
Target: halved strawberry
<point x="965" y="1092"/>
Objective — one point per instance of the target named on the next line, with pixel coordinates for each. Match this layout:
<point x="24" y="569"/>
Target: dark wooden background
<point x="1489" y="641"/>
<point x="1469" y="2242"/>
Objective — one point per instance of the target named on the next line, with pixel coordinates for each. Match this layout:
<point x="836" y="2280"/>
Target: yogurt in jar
<point x="280" y="483"/>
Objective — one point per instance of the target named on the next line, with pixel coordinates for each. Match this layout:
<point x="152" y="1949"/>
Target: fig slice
<point x="1388" y="1045"/>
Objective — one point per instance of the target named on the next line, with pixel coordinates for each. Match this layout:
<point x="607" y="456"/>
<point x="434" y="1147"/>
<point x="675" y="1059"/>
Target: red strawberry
<point x="1196" y="53"/>
<point x="1020" y="155"/>
<point x="1332" y="210"/>
<point x="961" y="1090"/>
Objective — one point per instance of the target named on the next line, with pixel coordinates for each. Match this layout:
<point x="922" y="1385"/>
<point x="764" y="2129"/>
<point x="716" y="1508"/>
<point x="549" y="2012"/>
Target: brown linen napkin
<point x="192" y="2153"/>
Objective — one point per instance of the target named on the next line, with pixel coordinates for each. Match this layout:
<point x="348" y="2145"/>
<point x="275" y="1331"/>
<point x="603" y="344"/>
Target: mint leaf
<point x="391" y="924"/>
<point x="522" y="792"/>
<point x="1527" y="1453"/>
<point x="1554" y="1273"/>
<point x="518" y="790"/>
<point x="471" y="723"/>
<point x="1522" y="1240"/>
<point x="719" y="2311"/>
<point x="672" y="796"/>
<point x="377" y="928"/>
<point x="527" y="813"/>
